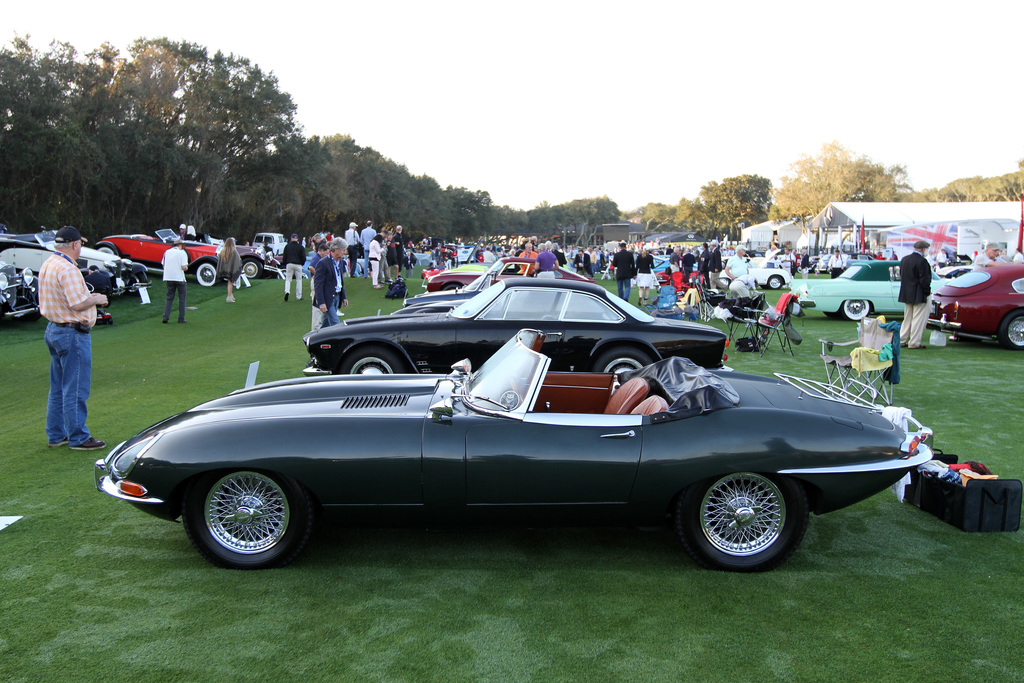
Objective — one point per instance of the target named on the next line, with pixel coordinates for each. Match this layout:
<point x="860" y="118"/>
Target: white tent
<point x="760" y="235"/>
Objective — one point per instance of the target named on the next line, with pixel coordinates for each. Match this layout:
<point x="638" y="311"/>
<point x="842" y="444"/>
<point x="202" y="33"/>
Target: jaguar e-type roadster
<point x="733" y="462"/>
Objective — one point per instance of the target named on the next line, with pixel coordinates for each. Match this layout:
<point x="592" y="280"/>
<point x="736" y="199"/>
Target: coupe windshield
<point x="508" y="378"/>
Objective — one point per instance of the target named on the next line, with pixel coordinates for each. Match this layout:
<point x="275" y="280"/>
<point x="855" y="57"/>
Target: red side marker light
<point x="131" y="489"/>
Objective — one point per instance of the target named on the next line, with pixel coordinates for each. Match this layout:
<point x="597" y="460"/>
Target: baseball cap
<point x="352" y="225"/>
<point x="67" y="235"/>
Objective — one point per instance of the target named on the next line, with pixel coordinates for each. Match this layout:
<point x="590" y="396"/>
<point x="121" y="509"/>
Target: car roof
<point x="531" y="282"/>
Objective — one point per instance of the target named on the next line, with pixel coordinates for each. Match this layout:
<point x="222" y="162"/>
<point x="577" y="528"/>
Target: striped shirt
<point x="62" y="286"/>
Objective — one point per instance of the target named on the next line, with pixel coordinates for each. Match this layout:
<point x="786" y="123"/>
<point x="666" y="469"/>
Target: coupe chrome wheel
<point x="742" y="514"/>
<point x="1011" y="331"/>
<point x="621" y="360"/>
<point x="246" y="512"/>
<point x="375" y="360"/>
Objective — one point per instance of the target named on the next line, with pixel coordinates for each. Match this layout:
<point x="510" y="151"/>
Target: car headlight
<point x="3" y="281"/>
<point x="127" y="262"/>
<point x="121" y="464"/>
<point x="27" y="275"/>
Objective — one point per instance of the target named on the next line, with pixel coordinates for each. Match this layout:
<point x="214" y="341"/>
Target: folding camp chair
<point x="872" y="368"/>
<point x="708" y="300"/>
<point x="743" y="315"/>
<point x="665" y="305"/>
<point x="772" y="324"/>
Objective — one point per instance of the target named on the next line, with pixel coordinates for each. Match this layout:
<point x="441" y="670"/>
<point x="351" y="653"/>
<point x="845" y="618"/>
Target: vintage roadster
<point x="31" y="250"/>
<point x="202" y="257"/>
<point x="19" y="292"/>
<point x="733" y="462"/>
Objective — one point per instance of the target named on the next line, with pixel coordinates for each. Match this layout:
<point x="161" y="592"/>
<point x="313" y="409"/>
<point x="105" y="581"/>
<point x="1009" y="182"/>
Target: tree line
<point x="171" y="134"/>
<point x="835" y="174"/>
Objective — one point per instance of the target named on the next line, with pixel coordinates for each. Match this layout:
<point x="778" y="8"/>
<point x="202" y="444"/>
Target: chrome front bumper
<point x="104" y="483"/>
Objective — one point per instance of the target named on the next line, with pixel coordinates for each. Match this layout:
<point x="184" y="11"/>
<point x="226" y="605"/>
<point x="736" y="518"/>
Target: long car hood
<point x="336" y="396"/>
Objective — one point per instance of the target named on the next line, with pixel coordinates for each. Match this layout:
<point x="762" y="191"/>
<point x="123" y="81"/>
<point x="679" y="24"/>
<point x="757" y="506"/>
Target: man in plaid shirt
<point x="70" y="307"/>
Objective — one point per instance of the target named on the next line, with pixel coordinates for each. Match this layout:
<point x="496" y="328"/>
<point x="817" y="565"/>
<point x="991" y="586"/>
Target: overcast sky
<point x="640" y="101"/>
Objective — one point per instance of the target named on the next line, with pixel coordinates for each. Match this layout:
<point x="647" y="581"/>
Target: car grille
<point x="379" y="401"/>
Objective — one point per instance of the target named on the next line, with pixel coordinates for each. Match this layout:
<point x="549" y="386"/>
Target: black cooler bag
<point x="981" y="505"/>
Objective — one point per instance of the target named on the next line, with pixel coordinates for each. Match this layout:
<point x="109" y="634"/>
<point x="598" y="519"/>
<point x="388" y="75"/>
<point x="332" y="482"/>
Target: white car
<point x="767" y="273"/>
<point x="270" y="241"/>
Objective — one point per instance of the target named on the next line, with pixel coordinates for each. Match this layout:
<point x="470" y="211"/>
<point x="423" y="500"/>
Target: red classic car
<point x="982" y="305"/>
<point x="149" y="250"/>
<point x="510" y="266"/>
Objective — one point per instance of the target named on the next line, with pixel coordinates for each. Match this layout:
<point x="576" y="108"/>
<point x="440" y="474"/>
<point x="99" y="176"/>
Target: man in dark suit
<point x="715" y="266"/>
<point x="625" y="270"/>
<point x="329" y="284"/>
<point x="915" y="294"/>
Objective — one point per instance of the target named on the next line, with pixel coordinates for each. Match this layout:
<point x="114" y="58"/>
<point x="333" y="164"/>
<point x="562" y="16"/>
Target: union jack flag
<point x="940" y="235"/>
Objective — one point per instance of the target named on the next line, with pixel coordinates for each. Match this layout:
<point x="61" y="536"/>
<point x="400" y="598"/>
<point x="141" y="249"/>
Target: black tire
<point x="621" y="359"/>
<point x="776" y="282"/>
<point x="451" y="287"/>
<point x="206" y="274"/>
<point x="252" y="268"/>
<point x="742" y="522"/>
<point x="1011" y="331"/>
<point x="107" y="248"/>
<point x="247" y="519"/>
<point x="372" y="360"/>
<point x="856" y="309"/>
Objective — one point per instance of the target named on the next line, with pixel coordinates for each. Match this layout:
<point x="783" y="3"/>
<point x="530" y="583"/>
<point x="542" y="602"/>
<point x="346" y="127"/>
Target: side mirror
<point x="442" y="410"/>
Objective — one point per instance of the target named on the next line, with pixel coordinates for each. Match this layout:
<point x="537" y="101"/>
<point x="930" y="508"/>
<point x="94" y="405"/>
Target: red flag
<point x="1020" y="233"/>
<point x="863" y="236"/>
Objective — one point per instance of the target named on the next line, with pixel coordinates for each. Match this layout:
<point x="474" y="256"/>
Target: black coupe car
<point x="515" y="443"/>
<point x="587" y="328"/>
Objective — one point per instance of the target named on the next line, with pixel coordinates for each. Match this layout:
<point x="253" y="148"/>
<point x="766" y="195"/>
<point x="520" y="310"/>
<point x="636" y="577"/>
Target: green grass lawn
<point x="93" y="589"/>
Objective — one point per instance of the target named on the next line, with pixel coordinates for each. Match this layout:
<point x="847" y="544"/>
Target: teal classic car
<point x="865" y="288"/>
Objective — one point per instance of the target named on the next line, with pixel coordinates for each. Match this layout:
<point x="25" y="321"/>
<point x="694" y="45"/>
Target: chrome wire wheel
<point x="1015" y="332"/>
<point x="246" y="512"/>
<point x="742" y="514"/>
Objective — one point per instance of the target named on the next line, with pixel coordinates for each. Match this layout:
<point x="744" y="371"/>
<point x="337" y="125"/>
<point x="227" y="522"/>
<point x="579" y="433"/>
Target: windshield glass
<point x="969" y="279"/>
<point x="851" y="272"/>
<point x="46" y="238"/>
<point x="509" y="377"/>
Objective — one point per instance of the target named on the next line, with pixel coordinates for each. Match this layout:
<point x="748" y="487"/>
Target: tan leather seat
<point x="650" y="406"/>
<point x="627" y="397"/>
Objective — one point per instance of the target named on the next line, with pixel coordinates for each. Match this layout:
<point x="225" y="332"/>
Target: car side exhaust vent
<point x="380" y="401"/>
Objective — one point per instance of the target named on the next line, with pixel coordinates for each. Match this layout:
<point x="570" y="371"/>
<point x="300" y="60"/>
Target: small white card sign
<point x="7" y="521"/>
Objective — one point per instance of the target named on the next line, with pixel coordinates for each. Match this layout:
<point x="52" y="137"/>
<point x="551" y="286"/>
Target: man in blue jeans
<point x="330" y="283"/>
<point x="625" y="270"/>
<point x="70" y="307"/>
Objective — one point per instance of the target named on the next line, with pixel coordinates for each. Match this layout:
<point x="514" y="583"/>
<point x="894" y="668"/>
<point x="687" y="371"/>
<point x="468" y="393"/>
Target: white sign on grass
<point x="7" y="521"/>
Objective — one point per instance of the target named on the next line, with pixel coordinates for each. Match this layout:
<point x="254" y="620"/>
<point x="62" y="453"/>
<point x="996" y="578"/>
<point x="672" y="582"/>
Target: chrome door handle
<point x="623" y="435"/>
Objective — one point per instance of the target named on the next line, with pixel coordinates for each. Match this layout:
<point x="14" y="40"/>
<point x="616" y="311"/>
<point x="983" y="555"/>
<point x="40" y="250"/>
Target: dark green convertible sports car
<point x="733" y="462"/>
